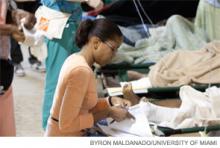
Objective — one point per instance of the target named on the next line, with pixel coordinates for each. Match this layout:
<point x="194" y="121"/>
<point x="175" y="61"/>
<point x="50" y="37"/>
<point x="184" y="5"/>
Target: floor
<point x="28" y="94"/>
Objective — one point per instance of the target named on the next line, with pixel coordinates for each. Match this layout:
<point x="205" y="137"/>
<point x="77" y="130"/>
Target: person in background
<point x="16" y="52"/>
<point x="31" y="6"/>
<point x="17" y="58"/>
<point x="7" y="121"/>
<point x="76" y="106"/>
<point x="9" y="27"/>
<point x="207" y="18"/>
<point x="59" y="49"/>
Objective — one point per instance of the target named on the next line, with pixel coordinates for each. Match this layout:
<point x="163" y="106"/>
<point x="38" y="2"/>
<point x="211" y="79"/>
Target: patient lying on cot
<point x="185" y="68"/>
<point x="194" y="108"/>
<point x="129" y="94"/>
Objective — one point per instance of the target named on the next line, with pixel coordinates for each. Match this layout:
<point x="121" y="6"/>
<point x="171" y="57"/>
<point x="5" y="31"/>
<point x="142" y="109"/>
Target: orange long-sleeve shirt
<point x="74" y="97"/>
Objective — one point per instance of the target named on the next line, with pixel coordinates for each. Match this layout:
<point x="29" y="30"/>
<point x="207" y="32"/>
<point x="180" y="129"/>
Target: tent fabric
<point x="157" y="10"/>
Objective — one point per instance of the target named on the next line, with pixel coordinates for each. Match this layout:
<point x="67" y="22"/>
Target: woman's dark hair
<point x="102" y="28"/>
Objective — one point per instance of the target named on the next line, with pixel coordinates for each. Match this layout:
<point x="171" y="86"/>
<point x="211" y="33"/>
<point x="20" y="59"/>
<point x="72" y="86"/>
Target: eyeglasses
<point x="110" y="46"/>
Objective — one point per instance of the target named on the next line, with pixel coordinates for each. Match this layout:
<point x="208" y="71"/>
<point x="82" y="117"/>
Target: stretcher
<point x="120" y="71"/>
<point x="165" y="131"/>
<point x="159" y="96"/>
<point x="169" y="97"/>
<point x="122" y="68"/>
<point x="173" y="92"/>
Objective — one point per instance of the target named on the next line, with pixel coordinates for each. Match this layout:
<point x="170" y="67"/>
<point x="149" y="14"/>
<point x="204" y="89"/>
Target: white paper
<point x="54" y="22"/>
<point x="33" y="37"/>
<point x="138" y="127"/>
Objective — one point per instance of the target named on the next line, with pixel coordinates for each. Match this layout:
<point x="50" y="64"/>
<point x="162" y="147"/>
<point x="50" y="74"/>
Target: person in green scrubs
<point x="59" y="49"/>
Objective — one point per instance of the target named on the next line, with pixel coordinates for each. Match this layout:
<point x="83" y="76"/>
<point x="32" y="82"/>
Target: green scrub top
<point x="58" y="50"/>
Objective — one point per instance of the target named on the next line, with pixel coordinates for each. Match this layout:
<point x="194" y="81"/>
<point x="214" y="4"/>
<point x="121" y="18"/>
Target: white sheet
<point x="138" y="86"/>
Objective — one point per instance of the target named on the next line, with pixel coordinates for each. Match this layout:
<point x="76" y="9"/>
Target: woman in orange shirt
<point x="76" y="106"/>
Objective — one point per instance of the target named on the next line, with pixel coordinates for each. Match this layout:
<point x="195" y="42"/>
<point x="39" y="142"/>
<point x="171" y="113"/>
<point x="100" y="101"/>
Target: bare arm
<point x="101" y="110"/>
<point x="3" y="11"/>
<point x="8" y="29"/>
<point x="104" y="110"/>
<point x="70" y="117"/>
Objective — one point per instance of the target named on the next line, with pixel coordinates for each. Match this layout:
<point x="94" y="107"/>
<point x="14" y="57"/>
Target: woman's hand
<point x="119" y="113"/>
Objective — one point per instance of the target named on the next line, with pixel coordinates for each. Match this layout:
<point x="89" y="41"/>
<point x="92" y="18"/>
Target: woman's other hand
<point x="116" y="101"/>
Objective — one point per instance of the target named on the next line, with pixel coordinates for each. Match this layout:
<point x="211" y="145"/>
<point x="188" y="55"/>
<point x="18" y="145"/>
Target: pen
<point x="124" y="107"/>
<point x="112" y="121"/>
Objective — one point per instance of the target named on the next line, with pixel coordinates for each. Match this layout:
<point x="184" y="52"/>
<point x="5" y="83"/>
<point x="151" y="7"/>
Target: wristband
<point x="110" y="100"/>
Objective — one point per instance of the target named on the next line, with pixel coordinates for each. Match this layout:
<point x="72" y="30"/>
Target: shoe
<point x="38" y="66"/>
<point x="19" y="70"/>
<point x="41" y="68"/>
<point x="32" y="59"/>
